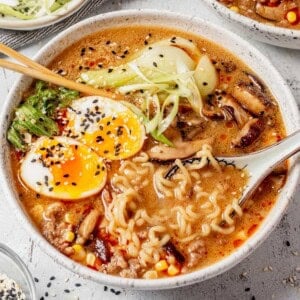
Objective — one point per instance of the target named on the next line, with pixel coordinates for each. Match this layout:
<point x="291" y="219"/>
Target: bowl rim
<point x="43" y="21"/>
<point x="264" y="28"/>
<point x="13" y="256"/>
<point x="177" y="281"/>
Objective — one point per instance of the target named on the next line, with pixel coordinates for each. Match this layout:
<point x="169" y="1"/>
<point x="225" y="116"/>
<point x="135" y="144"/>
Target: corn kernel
<point x="69" y="236"/>
<point x="80" y="253"/>
<point x="150" y="275"/>
<point x="162" y="265"/>
<point x="235" y="9"/>
<point x="70" y="218"/>
<point x="173" y="270"/>
<point x="291" y="16"/>
<point x="77" y="248"/>
<point x="90" y="259"/>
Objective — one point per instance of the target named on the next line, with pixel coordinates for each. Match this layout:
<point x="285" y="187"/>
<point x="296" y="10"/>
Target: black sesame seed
<point x="74" y="183"/>
<point x="253" y="298"/>
<point x="33" y="161"/>
<point x="50" y="189"/>
<point x="95" y="101"/>
<point x="106" y="151"/>
<point x="42" y="298"/>
<point x="114" y="52"/>
<point x="117" y="293"/>
<point x="49" y="284"/>
<point x="66" y="175"/>
<point x="67" y="291"/>
<point x="37" y="196"/>
<point x="204" y="83"/>
<point x="100" y="66"/>
<point x="46" y="294"/>
<point x="36" y="279"/>
<point x="126" y="52"/>
<point x="108" y="42"/>
<point x="161" y="55"/>
<point x="155" y="64"/>
<point x="108" y="132"/>
<point x="288" y="243"/>
<point x="105" y="288"/>
<point x="80" y="68"/>
<point x="110" y="70"/>
<point x="146" y="43"/>
<point x="247" y="289"/>
<point x="38" y="183"/>
<point x="97" y="173"/>
<point x="78" y="284"/>
<point x="91" y="48"/>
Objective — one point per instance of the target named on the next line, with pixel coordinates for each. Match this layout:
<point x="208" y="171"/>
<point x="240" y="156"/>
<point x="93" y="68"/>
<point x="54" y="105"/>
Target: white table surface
<point x="271" y="272"/>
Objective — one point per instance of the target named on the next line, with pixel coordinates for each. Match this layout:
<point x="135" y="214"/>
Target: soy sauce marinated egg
<point x="63" y="168"/>
<point x="105" y="125"/>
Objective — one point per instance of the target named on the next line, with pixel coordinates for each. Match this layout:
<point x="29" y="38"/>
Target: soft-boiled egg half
<point x="63" y="168"/>
<point x="105" y="125"/>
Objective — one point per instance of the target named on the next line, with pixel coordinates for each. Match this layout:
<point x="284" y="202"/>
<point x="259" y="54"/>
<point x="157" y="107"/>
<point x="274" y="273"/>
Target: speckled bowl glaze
<point x="252" y="29"/>
<point x="239" y="47"/>
<point x="43" y="21"/>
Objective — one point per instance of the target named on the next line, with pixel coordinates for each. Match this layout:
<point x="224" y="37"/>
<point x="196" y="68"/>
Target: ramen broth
<point x="154" y="225"/>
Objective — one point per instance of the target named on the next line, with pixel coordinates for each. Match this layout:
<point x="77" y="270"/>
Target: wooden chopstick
<point x="23" y="59"/>
<point x="37" y="71"/>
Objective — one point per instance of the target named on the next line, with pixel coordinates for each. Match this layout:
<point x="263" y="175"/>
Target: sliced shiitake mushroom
<point x="249" y="133"/>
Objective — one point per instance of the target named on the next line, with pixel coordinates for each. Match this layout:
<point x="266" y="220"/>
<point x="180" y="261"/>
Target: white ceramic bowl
<point x="252" y="29"/>
<point x="43" y="21"/>
<point x="242" y="49"/>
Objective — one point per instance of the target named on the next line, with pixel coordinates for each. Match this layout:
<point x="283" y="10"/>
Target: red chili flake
<point x="92" y="63"/>
<point x="278" y="138"/>
<point x="18" y="154"/>
<point x="230" y="124"/>
<point x="273" y="4"/>
<point x="237" y="243"/>
<point x="60" y="121"/>
<point x="252" y="229"/>
<point x="223" y="137"/>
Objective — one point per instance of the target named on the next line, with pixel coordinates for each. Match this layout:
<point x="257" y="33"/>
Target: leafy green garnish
<point x="36" y="115"/>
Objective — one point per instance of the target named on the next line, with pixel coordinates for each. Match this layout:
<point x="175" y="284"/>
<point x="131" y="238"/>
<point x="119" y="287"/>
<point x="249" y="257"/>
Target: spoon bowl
<point x="261" y="163"/>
